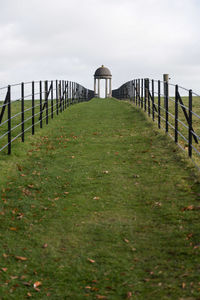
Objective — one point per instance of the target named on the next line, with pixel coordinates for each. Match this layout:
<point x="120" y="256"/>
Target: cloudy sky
<point x="70" y="39"/>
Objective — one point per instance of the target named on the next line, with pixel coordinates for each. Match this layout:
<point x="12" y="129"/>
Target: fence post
<point x="40" y="104"/>
<point x="33" y="107"/>
<point x="190" y="125"/>
<point x="176" y="115"/>
<point x="68" y="93"/>
<point x="159" y="104"/>
<point x="148" y="97"/>
<point x="152" y="86"/>
<point x="166" y="87"/>
<point x="52" y="99"/>
<point x="46" y="101"/>
<point x="145" y="94"/>
<point x="136" y="85"/>
<point x="142" y="93"/>
<point x="60" y="95"/>
<point x="65" y="94"/>
<point x="139" y="95"/>
<point x="57" y="97"/>
<point x="22" y="111"/>
<point x="72" y="92"/>
<point x="9" y="119"/>
<point x="71" y="102"/>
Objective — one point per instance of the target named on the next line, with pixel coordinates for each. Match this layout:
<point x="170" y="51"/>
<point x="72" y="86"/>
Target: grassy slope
<point x="104" y="191"/>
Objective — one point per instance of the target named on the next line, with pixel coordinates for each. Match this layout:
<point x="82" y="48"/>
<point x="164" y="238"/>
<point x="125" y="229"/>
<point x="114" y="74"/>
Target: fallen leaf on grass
<point x="36" y="284"/>
<point x="136" y="176"/>
<point x="13" y="277"/>
<point x="66" y="193"/>
<point x="101" y="297"/>
<point x="26" y="192"/>
<point x="13" y="228"/>
<point x="129" y="295"/>
<point x="31" y="186"/>
<point x="23" y="175"/>
<point x="20" y="215"/>
<point x="91" y="260"/>
<point x="94" y="289"/>
<point x="29" y="295"/>
<point x="126" y="241"/>
<point x="45" y="245"/>
<point x="189" y="236"/>
<point x="196" y="247"/>
<point x="96" y="198"/>
<point x="4" y="269"/>
<point x="20" y="168"/>
<point x="158" y="204"/>
<point x="183" y="285"/>
<point x="105" y="172"/>
<point x="21" y="258"/>
<point x="191" y="207"/>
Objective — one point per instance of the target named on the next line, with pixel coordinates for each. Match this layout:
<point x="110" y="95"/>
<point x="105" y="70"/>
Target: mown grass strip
<point x="99" y="205"/>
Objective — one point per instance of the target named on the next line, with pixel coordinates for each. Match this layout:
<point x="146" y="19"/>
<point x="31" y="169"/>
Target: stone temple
<point x="103" y="73"/>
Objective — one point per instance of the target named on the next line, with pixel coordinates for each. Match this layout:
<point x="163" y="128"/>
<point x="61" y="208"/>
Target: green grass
<point x="182" y="129"/>
<point x="16" y="117"/>
<point x="97" y="203"/>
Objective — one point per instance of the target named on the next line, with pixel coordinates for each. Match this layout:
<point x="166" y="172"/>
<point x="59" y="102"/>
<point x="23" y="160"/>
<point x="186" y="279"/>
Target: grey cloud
<point x="70" y="39"/>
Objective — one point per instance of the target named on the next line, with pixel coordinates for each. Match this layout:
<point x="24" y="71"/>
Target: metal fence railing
<point x="25" y="106"/>
<point x="175" y="109"/>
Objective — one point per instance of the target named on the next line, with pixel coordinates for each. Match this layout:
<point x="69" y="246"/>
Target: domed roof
<point x="102" y="72"/>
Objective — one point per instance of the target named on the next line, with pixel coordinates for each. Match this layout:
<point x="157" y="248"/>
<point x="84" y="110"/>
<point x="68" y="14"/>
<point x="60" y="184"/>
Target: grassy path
<point x="99" y="205"/>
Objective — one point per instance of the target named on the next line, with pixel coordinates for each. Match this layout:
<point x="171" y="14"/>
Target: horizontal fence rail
<point x="28" y="105"/>
<point x="175" y="109"/>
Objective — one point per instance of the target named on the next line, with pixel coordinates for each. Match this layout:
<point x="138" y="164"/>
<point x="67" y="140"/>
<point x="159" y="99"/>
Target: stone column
<point x="95" y="87"/>
<point x="106" y="89"/>
<point x="110" y="93"/>
<point x="99" y="88"/>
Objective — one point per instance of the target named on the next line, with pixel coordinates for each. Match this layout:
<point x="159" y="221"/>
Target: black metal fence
<point x="175" y="109"/>
<point x="29" y="104"/>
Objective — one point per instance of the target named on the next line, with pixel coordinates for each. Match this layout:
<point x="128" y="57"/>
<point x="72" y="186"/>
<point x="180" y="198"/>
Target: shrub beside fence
<point x="175" y="109"/>
<point x="25" y="106"/>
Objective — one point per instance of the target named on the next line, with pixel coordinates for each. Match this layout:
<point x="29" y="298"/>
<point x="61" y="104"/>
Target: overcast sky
<point x="70" y="39"/>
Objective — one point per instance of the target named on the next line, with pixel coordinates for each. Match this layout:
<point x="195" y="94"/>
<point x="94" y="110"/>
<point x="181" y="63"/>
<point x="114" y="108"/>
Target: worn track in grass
<point x="99" y="205"/>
